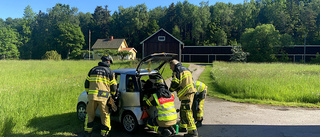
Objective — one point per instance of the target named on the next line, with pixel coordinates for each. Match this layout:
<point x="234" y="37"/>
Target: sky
<point x="15" y="8"/>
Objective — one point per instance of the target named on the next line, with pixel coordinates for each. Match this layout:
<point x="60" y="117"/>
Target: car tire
<point x="129" y="122"/>
<point x="81" y="111"/>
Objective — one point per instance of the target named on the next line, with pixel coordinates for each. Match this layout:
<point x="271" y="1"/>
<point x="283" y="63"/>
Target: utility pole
<point x="304" y="49"/>
<point x="89" y="42"/>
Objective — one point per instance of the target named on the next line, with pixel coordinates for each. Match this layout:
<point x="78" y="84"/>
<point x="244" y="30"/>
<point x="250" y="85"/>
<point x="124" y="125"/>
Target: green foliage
<point x="203" y="24"/>
<point x="26" y="32"/>
<point x="69" y="38"/>
<point x="316" y="60"/>
<point x="260" y="43"/>
<point x="79" y="54"/>
<point x="284" y="57"/>
<point x="238" y="54"/>
<point x="8" y="43"/>
<point x="52" y="55"/>
<point x="123" y="54"/>
<point x="220" y="37"/>
<point x="108" y="52"/>
<point x="176" y="32"/>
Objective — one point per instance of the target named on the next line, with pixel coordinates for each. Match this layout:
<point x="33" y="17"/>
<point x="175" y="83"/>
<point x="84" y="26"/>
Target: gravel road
<point x="230" y="119"/>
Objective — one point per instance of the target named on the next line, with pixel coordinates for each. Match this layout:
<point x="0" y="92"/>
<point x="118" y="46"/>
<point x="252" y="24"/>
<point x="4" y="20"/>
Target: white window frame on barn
<point x="161" y="38"/>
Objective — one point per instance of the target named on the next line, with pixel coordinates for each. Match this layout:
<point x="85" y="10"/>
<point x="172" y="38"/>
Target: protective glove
<point x="111" y="102"/>
<point x="144" y="101"/>
<point x="145" y="98"/>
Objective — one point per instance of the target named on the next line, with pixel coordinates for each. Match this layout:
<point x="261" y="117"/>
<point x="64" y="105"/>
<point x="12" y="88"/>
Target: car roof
<point x="132" y="71"/>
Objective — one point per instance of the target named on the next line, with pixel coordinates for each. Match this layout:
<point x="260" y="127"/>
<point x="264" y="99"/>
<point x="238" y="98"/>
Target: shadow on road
<point x="259" y="131"/>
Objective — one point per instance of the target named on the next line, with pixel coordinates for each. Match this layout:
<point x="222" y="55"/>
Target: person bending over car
<point x="199" y="100"/>
<point x="182" y="82"/>
<point x="163" y="99"/>
<point x="99" y="84"/>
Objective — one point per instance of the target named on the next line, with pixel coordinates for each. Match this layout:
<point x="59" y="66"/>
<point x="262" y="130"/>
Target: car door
<point x="130" y="94"/>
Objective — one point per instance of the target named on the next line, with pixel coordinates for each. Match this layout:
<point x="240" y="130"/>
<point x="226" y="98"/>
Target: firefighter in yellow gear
<point x="182" y="82"/>
<point x="166" y="117"/>
<point x="199" y="101"/>
<point x="100" y="85"/>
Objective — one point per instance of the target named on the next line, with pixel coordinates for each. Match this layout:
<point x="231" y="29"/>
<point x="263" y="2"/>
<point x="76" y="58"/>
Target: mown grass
<point x="39" y="98"/>
<point x="265" y="83"/>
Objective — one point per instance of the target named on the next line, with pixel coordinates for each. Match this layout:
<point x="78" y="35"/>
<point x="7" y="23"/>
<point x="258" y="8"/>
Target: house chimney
<point x="111" y="38"/>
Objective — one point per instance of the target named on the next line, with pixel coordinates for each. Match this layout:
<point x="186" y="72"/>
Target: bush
<point x="51" y="55"/>
<point x="315" y="60"/>
<point x="238" y="54"/>
<point x="284" y="57"/>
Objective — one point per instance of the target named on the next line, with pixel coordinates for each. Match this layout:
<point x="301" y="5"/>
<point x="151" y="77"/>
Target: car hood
<point x="155" y="61"/>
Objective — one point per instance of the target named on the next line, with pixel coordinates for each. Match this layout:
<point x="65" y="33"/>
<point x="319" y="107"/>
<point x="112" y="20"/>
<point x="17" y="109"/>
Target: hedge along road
<point x="231" y="119"/>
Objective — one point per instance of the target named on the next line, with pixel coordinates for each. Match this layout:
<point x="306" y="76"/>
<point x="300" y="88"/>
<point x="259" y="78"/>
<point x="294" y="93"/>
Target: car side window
<point x="131" y="84"/>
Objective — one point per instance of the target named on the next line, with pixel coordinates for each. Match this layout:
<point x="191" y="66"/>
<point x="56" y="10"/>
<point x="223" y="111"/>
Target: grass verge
<point x="264" y="83"/>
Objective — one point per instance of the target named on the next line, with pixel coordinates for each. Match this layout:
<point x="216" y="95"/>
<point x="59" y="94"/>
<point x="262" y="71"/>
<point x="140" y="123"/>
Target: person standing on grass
<point x="199" y="100"/>
<point x="182" y="82"/>
<point x="99" y="84"/>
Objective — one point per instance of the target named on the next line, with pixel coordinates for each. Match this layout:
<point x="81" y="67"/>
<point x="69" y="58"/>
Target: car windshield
<point x="152" y="64"/>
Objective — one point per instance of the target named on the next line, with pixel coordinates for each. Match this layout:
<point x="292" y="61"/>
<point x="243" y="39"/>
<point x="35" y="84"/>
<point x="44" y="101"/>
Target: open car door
<point x="155" y="61"/>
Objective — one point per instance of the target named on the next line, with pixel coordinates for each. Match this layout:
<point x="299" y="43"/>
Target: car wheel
<point x="129" y="122"/>
<point x="81" y="112"/>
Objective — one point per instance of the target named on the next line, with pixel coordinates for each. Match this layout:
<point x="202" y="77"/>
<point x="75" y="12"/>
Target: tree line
<point x="63" y="29"/>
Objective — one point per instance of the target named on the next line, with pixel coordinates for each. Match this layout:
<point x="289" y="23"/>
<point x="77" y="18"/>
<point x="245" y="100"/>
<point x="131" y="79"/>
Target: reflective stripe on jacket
<point x="100" y="82"/>
<point x="182" y="82"/>
<point x="165" y="107"/>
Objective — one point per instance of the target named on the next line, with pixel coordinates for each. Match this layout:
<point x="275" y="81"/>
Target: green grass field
<point x="276" y="83"/>
<point x="39" y="98"/>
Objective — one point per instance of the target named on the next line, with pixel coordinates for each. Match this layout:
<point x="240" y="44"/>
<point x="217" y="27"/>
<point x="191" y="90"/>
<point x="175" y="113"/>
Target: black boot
<point x="199" y="123"/>
<point x="172" y="130"/>
<point x="166" y="133"/>
<point x="193" y="133"/>
<point x="182" y="129"/>
<point x="87" y="134"/>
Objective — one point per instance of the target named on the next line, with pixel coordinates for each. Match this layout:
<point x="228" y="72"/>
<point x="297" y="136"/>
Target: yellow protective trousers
<point x="91" y="113"/>
<point x="186" y="114"/>
<point x="200" y="106"/>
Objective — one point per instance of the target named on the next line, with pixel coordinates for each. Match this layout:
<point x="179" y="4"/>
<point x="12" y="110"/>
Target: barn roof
<point x="108" y="44"/>
<point x="165" y="32"/>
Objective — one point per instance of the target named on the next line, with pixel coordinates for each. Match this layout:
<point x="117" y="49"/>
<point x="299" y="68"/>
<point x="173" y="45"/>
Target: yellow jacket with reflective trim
<point x="182" y="82"/>
<point x="165" y="107"/>
<point x="199" y="86"/>
<point x="100" y="82"/>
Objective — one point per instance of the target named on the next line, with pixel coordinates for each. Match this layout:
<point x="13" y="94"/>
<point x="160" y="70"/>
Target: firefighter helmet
<point x="107" y="58"/>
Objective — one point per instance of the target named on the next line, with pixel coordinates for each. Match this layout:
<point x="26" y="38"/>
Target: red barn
<point x="161" y="41"/>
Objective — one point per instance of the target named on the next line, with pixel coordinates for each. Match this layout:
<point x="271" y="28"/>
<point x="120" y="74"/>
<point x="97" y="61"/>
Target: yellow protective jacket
<point x="199" y="86"/>
<point x="100" y="82"/>
<point x="182" y="82"/>
<point x="165" y="107"/>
